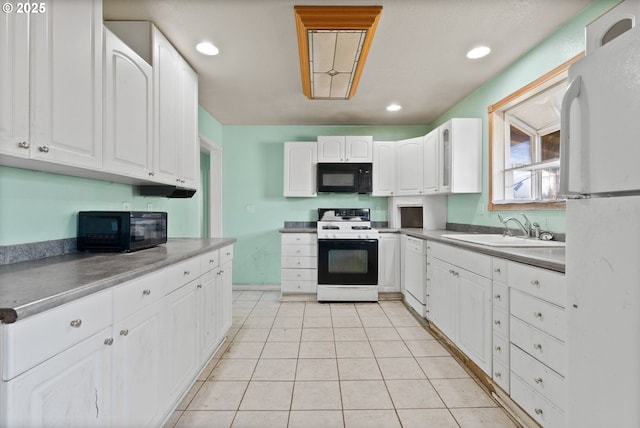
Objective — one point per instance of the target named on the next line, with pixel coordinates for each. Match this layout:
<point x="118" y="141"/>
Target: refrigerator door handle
<point x="573" y="91"/>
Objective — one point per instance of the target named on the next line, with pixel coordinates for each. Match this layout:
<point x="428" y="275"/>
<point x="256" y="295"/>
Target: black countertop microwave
<point x="120" y="231"/>
<point x="344" y="177"/>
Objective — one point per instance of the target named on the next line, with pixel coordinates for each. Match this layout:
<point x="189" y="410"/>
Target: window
<point x="524" y="145"/>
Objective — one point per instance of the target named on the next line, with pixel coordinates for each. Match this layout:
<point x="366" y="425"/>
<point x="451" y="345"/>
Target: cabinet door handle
<point x="151" y="173"/>
<point x="76" y="323"/>
<point x="108" y="341"/>
<point x="537" y="315"/>
<point x="211" y="261"/>
<point x="44" y="149"/>
<point x="124" y="332"/>
<point x="497" y="348"/>
<point x="23" y="144"/>
<point x="538" y="411"/>
<point x="199" y="286"/>
<point x="497" y="374"/>
<point x="535" y="282"/>
<point x="496" y="296"/>
<point x="146" y="292"/>
<point x="186" y="272"/>
<point x="538" y="380"/>
<point x="497" y="270"/>
<point x="497" y="322"/>
<point x="537" y="346"/>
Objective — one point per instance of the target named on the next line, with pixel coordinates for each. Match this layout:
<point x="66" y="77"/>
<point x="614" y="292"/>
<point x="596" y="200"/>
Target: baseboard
<point x="256" y="287"/>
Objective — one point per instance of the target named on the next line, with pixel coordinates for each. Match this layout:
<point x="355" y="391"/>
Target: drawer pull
<point x="537" y="346"/>
<point x="23" y="145"/>
<point x="538" y="411"/>
<point x="44" y="149"/>
<point x="75" y="323"/>
<point x="108" y="341"/>
<point x="211" y="261"/>
<point x="498" y="348"/>
<point x="496" y="296"/>
<point x="228" y="254"/>
<point x="146" y="292"/>
<point x="298" y="263"/>
<point x="497" y="322"/>
<point x="124" y="332"/>
<point x="186" y="272"/>
<point x="497" y="374"/>
<point x="199" y="286"/>
<point x="537" y="315"/>
<point x="538" y="380"/>
<point x="535" y="282"/>
<point x="497" y="270"/>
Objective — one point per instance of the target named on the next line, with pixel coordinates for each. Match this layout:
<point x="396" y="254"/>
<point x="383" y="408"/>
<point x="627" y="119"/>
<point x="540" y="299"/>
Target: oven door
<point x="348" y="261"/>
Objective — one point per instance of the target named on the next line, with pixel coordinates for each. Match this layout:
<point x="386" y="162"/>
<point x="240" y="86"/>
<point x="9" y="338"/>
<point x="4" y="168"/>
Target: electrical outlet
<point x="149" y="206"/>
<point x="481" y="211"/>
<point x="126" y="206"/>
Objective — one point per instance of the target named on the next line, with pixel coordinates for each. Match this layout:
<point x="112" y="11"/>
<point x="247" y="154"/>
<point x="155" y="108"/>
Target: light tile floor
<point x="306" y="364"/>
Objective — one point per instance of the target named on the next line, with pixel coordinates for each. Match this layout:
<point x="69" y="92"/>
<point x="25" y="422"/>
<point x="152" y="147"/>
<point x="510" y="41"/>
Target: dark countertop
<point x="31" y="287"/>
<point x="552" y="258"/>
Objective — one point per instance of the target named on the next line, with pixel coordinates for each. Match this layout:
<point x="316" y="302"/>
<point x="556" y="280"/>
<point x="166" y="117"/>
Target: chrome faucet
<point x="526" y="228"/>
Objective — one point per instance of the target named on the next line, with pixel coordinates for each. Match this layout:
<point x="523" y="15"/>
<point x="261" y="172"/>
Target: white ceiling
<point x="417" y="58"/>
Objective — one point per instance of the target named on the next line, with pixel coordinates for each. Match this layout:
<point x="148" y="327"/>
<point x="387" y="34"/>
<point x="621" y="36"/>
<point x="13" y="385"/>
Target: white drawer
<point x="540" y="409"/>
<point x="538" y="376"/>
<point x="501" y="323"/>
<point x="541" y="346"/>
<point x="299" y="262"/>
<point x="132" y="296"/>
<point x="499" y="270"/>
<point x="298" y="286"/>
<point x="500" y="296"/>
<point x="301" y="250"/>
<point x="474" y="262"/>
<point x="545" y="284"/>
<point x="299" y="274"/>
<point x="501" y="349"/>
<point x="298" y="238"/>
<point x="226" y="254"/>
<point x="540" y="314"/>
<point x="180" y="274"/>
<point x="501" y="375"/>
<point x="415" y="244"/>
<point x="209" y="261"/>
<point x="32" y="340"/>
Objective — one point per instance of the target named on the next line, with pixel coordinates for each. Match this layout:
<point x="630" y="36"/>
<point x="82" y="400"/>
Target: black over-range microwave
<point x="345" y="177"/>
<point x="120" y="231"/>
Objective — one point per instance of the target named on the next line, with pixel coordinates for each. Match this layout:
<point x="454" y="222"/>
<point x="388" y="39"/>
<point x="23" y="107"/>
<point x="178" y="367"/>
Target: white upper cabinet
<point x="128" y="110"/>
<point x="431" y="163"/>
<point x="353" y="149"/>
<point x="176" y="153"/>
<point x="384" y="168"/>
<point x="300" y="164"/>
<point x="14" y="84"/>
<point x="409" y="159"/>
<point x="460" y="156"/>
<point x="52" y="68"/>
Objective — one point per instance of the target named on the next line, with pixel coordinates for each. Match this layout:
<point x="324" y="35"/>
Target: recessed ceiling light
<point x="478" y="52"/>
<point x="393" y="107"/>
<point x="206" y="48"/>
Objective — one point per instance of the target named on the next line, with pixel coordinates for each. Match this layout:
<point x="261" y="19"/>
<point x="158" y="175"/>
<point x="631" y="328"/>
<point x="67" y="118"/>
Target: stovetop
<point x="345" y="223"/>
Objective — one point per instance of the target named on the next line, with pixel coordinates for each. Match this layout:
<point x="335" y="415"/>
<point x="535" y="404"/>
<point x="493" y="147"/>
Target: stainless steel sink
<point x="496" y="240"/>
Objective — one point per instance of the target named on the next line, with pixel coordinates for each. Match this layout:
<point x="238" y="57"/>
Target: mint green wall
<point x="254" y="208"/>
<point x="563" y="45"/>
<point x="209" y="127"/>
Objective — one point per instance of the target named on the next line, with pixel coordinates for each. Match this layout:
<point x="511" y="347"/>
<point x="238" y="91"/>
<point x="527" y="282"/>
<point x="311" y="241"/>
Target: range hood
<point x="166" y="191"/>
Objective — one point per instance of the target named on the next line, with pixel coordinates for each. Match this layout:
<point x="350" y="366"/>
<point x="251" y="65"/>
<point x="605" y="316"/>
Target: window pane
<point x="522" y="184"/>
<point x="550" y="180"/>
<point x="520" y="148"/>
<point x="550" y="146"/>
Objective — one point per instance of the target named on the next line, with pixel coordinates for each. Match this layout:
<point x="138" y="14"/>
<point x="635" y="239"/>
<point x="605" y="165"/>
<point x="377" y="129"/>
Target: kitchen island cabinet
<point x="121" y="356"/>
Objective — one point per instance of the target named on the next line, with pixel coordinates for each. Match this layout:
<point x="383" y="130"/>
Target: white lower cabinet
<point x="299" y="263"/>
<point x="460" y="300"/>
<point x="122" y="357"/>
<point x="138" y="370"/>
<point x="72" y="389"/>
<point x="388" y="262"/>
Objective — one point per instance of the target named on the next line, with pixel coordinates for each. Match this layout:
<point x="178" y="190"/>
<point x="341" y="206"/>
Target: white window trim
<point x="497" y="137"/>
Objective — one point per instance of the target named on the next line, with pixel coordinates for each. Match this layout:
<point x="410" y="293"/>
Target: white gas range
<point x="347" y="255"/>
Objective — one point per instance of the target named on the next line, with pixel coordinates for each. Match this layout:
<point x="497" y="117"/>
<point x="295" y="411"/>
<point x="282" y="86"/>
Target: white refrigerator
<point x="600" y="167"/>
